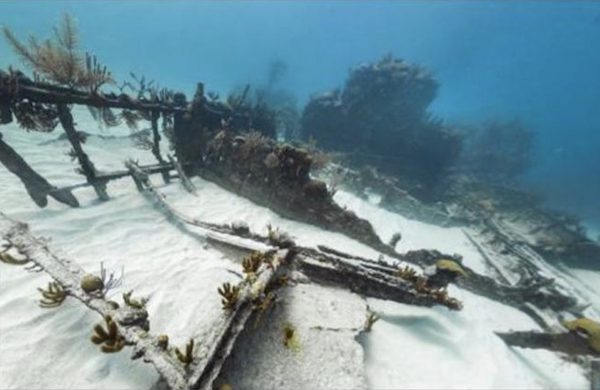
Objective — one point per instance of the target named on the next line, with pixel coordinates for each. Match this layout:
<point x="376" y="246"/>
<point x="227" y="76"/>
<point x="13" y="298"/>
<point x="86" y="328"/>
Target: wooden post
<point x="595" y="382"/>
<point x="156" y="144"/>
<point x="87" y="167"/>
<point x="5" y="113"/>
<point x="37" y="187"/>
<point x="185" y="181"/>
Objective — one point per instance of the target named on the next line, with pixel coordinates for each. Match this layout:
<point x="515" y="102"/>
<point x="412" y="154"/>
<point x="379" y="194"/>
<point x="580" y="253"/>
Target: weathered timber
<point x="500" y="274"/>
<point x="516" y="296"/>
<point x="364" y="277"/>
<point x="223" y="234"/>
<point x="5" y="112"/>
<point x="595" y="369"/>
<point x="530" y="290"/>
<point x="185" y="180"/>
<point x="569" y="342"/>
<point x="470" y="203"/>
<point x="131" y="323"/>
<point x="156" y="144"/>
<point x="37" y="187"/>
<point x="210" y="352"/>
<point x="86" y="165"/>
<point x="277" y="176"/>
<point x="535" y="291"/>
<point x="215" y="351"/>
<point x="365" y="280"/>
<point x="20" y="88"/>
<point x="108" y="176"/>
<point x="516" y="254"/>
<point x="555" y="236"/>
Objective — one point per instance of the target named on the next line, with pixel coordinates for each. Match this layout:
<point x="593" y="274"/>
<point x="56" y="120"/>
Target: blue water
<point x="539" y="61"/>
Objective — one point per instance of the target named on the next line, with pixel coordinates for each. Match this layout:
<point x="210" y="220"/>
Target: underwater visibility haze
<point x="299" y="194"/>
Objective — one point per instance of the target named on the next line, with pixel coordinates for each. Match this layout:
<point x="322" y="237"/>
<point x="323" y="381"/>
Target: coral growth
<point x="372" y="318"/>
<point x="7" y="258"/>
<point x="134" y="303"/>
<point x="230" y="295"/>
<point x="430" y="287"/>
<point x="279" y="238"/>
<point x="451" y="266"/>
<point x="52" y="296"/>
<point x="252" y="263"/>
<point x="59" y="60"/>
<point x="162" y="341"/>
<point x="187" y="357"/>
<point x="290" y="338"/>
<point x="380" y="118"/>
<point x="110" y="339"/>
<point x="91" y="283"/>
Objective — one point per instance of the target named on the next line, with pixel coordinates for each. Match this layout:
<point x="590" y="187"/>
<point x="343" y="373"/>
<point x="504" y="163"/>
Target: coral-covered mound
<point x="380" y="118"/>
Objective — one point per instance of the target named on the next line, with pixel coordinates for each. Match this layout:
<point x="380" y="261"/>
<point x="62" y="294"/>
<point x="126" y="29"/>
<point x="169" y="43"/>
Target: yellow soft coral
<point x="589" y="327"/>
<point x="450" y="265"/>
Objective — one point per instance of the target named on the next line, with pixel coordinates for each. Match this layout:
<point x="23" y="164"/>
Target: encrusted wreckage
<point x="221" y="146"/>
<point x="227" y="143"/>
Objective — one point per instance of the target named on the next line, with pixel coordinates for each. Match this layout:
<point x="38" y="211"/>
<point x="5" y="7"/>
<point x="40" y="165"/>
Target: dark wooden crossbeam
<point x="114" y="175"/>
<point x="21" y="87"/>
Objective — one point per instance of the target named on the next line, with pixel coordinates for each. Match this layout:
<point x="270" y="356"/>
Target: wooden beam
<point x="87" y="167"/>
<point x="570" y="343"/>
<point x="36" y="185"/>
<point x="357" y="274"/>
<point x="185" y="181"/>
<point x="53" y="94"/>
<point x="595" y="369"/>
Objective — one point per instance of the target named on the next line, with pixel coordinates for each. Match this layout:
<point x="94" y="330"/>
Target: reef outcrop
<point x="380" y="118"/>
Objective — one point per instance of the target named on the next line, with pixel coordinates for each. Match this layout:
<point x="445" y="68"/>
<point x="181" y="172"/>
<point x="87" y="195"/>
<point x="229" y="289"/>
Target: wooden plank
<point x="568" y="342"/>
<point x="36" y="185"/>
<point x="595" y="380"/>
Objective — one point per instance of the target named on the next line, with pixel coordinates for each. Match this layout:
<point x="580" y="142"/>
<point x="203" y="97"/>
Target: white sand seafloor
<point x="410" y="347"/>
